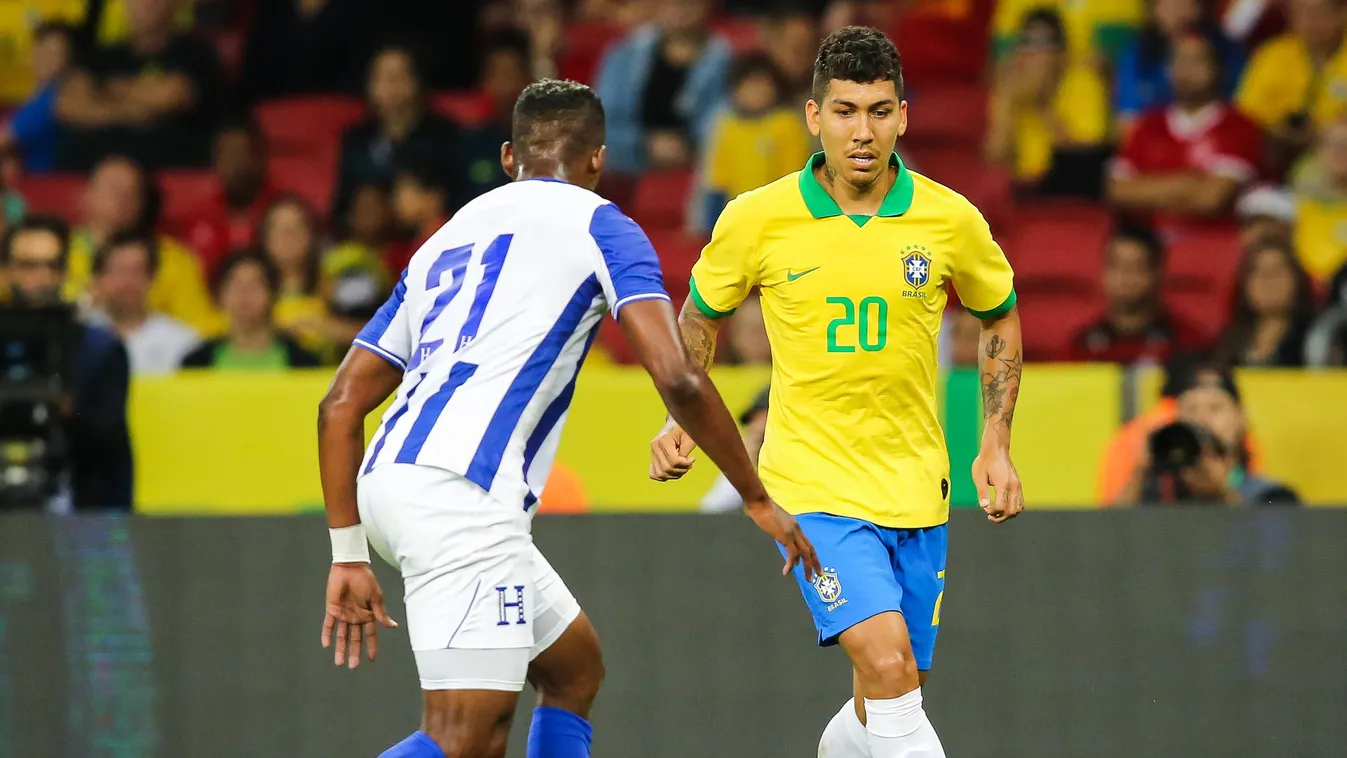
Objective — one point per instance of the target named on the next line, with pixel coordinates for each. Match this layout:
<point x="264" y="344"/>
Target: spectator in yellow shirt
<point x="1298" y="81"/>
<point x="19" y="22"/>
<point x="757" y="140"/>
<point x="1096" y="30"/>
<point x="1321" y="204"/>
<point x="1049" y="115"/>
<point x="121" y="197"/>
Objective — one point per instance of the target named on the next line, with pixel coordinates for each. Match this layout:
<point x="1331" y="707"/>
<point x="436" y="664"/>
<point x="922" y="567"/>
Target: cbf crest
<point x="827" y="585"/>
<point x="916" y="266"/>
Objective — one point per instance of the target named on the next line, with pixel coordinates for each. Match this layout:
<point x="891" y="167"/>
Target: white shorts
<point x="481" y="600"/>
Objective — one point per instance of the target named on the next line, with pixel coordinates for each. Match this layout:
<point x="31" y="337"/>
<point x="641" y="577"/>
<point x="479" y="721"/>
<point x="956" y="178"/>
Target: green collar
<point x="821" y="205"/>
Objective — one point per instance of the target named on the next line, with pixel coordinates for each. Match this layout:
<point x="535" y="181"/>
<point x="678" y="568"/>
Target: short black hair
<point x="242" y="122"/>
<point x="509" y="41"/>
<point x="756" y="64"/>
<point x="1055" y="32"/>
<point x="58" y="28"/>
<point x="39" y="222"/>
<point x="123" y="239"/>
<point x="427" y="177"/>
<point x="415" y="59"/>
<point x="1145" y="237"/>
<point x="240" y="258"/>
<point x="857" y="54"/>
<point x="558" y="117"/>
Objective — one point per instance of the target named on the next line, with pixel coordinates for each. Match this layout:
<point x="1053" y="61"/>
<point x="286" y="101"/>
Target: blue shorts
<point x="870" y="569"/>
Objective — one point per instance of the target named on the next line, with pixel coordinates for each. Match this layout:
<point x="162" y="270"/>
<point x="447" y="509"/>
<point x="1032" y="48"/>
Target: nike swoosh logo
<point x="792" y="276"/>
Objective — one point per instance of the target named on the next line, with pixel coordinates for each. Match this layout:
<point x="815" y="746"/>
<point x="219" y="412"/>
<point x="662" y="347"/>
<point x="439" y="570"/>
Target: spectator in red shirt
<point x="1185" y="163"/>
<point x="1136" y="326"/>
<point x="226" y="220"/>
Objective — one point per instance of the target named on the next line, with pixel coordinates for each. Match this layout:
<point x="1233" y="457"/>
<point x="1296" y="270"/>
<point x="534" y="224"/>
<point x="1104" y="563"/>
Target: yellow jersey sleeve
<point x="728" y="267"/>
<point x="982" y="275"/>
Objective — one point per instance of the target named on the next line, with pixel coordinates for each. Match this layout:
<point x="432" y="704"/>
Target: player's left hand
<point x="993" y="469"/>
<point x="354" y="603"/>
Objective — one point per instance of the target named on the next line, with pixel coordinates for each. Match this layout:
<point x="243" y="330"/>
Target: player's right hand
<point x="354" y="603"/>
<point x="671" y="453"/>
<point x="784" y="529"/>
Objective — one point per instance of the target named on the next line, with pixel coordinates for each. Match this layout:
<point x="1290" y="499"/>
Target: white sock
<point x="898" y="728"/>
<point x="845" y="736"/>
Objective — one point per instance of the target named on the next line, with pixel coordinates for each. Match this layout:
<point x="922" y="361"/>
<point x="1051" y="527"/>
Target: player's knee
<point x="575" y="687"/>
<point x="892" y="669"/>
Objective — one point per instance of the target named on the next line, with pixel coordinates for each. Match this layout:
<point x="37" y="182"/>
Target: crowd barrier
<point x="1165" y="633"/>
<point x="245" y="444"/>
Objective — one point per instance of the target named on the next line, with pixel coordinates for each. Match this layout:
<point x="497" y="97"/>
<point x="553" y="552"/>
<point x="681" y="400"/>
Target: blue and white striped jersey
<point x="490" y="324"/>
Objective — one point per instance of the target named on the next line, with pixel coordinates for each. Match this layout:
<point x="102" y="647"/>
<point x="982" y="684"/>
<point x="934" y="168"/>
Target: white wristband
<point x="349" y="544"/>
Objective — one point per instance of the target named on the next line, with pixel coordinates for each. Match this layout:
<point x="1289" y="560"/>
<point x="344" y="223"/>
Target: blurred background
<point x="203" y="200"/>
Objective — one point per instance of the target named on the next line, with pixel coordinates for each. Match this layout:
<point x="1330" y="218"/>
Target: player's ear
<point x="507" y="159"/>
<point x="596" y="160"/>
<point x="902" y="117"/>
<point x="811" y="116"/>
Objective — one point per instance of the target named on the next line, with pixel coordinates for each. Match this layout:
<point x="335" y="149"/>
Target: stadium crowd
<point x="244" y="180"/>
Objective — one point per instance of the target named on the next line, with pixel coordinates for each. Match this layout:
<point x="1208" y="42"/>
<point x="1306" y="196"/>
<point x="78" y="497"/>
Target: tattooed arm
<point x="1001" y="364"/>
<point x="699" y="333"/>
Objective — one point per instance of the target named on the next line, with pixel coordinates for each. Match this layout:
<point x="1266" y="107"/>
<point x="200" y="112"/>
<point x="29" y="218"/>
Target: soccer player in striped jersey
<point x="482" y="341"/>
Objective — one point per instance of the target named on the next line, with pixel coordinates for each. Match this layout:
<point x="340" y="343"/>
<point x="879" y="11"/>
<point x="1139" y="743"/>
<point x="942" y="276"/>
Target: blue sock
<point x="558" y="734"/>
<point x="419" y="745"/>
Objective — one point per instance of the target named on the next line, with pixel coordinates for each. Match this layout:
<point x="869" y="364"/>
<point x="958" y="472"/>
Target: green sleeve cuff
<point x="706" y="310"/>
<point x="999" y="310"/>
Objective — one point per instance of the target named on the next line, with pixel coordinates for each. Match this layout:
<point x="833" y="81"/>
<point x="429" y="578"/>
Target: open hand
<point x="671" y="453"/>
<point x="354" y="603"/>
<point x="783" y="528"/>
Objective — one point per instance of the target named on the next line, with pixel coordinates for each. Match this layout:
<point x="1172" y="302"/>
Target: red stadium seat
<point x="585" y="43"/>
<point x="184" y="190"/>
<point x="741" y="33"/>
<point x="1051" y="319"/>
<point x="1057" y="246"/>
<point x="677" y="252"/>
<point x="467" y="108"/>
<point x="61" y="194"/>
<point x="946" y="113"/>
<point x="661" y="199"/>
<point x="308" y="125"/>
<point x="939" y="46"/>
<point x="311" y="180"/>
<point x="1200" y="273"/>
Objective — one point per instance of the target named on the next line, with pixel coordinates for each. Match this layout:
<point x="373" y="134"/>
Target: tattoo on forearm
<point x="699" y="336"/>
<point x="1000" y="381"/>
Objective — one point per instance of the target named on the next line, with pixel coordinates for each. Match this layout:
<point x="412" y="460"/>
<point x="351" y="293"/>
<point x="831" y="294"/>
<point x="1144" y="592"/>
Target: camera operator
<point x="96" y="467"/>
<point x="1201" y="457"/>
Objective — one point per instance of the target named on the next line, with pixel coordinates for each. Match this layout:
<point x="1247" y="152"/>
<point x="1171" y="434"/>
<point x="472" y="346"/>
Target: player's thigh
<point x="567" y="664"/>
<point x="469" y="723"/>
<point x="467" y="567"/>
<point x="857" y="582"/>
<point x="919" y="564"/>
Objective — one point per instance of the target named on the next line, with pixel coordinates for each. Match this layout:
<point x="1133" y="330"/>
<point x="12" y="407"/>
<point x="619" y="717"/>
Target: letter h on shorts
<point x="518" y="604"/>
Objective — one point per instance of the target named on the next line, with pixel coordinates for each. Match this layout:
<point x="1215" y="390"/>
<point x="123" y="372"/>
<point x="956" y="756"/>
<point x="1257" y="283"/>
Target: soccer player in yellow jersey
<point x="853" y="257"/>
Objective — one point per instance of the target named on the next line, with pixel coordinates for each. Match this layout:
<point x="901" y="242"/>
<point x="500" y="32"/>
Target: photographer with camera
<point x="63" y="385"/>
<point x="1201" y="458"/>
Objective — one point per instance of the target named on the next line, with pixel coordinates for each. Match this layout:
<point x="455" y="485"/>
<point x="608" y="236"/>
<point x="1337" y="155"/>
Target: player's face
<point x="1193" y="69"/>
<point x="35" y="269"/>
<point x="1128" y="279"/>
<point x="859" y="124"/>
<point x="124" y="284"/>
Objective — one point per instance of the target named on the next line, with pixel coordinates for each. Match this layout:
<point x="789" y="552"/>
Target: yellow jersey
<point x="853" y="307"/>
<point x="1281" y="81"/>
